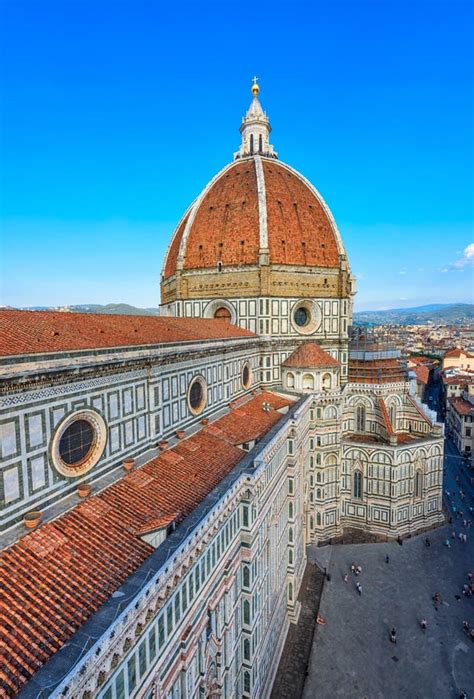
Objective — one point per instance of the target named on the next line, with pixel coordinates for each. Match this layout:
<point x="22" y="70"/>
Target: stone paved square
<point x="352" y="656"/>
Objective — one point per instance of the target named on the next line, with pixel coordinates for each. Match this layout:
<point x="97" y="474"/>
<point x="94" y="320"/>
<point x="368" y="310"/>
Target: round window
<point x="302" y="317"/>
<point x="78" y="443"/>
<point x="197" y="395"/>
<point x="306" y="316"/>
<point x="246" y="377"/>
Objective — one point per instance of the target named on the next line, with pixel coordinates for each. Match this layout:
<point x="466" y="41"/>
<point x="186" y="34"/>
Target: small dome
<point x="255" y="204"/>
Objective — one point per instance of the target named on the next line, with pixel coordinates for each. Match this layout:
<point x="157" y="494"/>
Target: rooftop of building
<point x="57" y="576"/>
<point x="457" y="353"/>
<point x="39" y="332"/>
<point x="462" y="406"/>
<point x="310" y="355"/>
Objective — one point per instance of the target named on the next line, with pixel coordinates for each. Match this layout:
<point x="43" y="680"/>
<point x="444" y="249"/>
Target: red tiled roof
<point x="56" y="577"/>
<point x="226" y="226"/>
<point x="457" y="352"/>
<point x="172" y="256"/>
<point x="422" y="373"/>
<point x="461" y="406"/>
<point x="310" y="354"/>
<point x="299" y="231"/>
<point x="33" y="332"/>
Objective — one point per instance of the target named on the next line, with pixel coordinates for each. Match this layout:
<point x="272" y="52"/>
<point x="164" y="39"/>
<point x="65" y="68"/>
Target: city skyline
<point x="105" y="148"/>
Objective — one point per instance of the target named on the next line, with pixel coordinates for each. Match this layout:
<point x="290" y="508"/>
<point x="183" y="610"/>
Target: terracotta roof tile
<point x="54" y="578"/>
<point x="311" y="355"/>
<point x="299" y="231"/>
<point x="32" y="332"/>
<point x="422" y="373"/>
<point x="461" y="406"/>
<point x="226" y="225"/>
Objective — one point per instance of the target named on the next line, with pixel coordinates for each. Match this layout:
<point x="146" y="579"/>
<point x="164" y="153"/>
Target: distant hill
<point x="447" y="313"/>
<point x="114" y="308"/>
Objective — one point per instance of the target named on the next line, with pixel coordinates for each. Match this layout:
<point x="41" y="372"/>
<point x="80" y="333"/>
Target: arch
<point x="318" y="519"/>
<point x="260" y="143"/>
<point x="251" y="142"/>
<point x="290" y="380"/>
<point x="308" y="382"/>
<point x="219" y="305"/>
<point x="360" y="418"/>
<point x="326" y="382"/>
<point x="245" y="576"/>
<point x="357" y="484"/>
<point x="330" y="460"/>
<point x="290" y="591"/>
<point x="330" y="413"/>
<point x="223" y="313"/>
<point x="318" y="493"/>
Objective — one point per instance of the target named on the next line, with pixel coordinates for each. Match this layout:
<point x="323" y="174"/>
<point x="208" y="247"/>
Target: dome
<point x="255" y="204"/>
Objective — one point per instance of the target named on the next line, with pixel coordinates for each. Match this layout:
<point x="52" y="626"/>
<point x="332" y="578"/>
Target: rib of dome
<point x="224" y="224"/>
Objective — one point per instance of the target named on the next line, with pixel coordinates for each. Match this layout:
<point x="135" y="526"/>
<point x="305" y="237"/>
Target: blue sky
<point x="116" y="114"/>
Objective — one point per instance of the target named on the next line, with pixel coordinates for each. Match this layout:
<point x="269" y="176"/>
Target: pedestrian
<point x="359" y="570"/>
<point x="453" y="534"/>
<point x="423" y="624"/>
<point x="469" y="576"/>
<point x="460" y="536"/>
<point x="346" y="577"/>
<point x="464" y="538"/>
<point x="387" y="559"/>
<point x="466" y="627"/>
<point x="353" y="568"/>
<point x="359" y="588"/>
<point x="393" y="635"/>
<point x="447" y="543"/>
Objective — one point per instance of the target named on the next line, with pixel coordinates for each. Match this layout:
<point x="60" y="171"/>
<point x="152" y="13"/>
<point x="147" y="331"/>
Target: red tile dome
<point x="256" y="204"/>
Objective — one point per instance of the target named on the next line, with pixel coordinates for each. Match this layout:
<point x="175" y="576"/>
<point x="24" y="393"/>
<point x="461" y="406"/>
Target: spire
<point x="255" y="129"/>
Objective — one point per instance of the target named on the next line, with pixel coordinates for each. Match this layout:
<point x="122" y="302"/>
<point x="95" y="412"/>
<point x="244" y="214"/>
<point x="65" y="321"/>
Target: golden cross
<point x="254" y="79"/>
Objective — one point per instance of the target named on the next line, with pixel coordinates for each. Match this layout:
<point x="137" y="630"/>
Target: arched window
<point x="393" y="416"/>
<point x="308" y="382"/>
<point x="290" y="510"/>
<point x="318" y="519"/>
<point x="246" y="649"/>
<point x="245" y="576"/>
<point x="326" y="382"/>
<point x="290" y="380"/>
<point x="247" y="681"/>
<point x="223" y="313"/>
<point x="360" y="418"/>
<point x="357" y="489"/>
<point x="318" y="493"/>
<point x="311" y="523"/>
<point x="251" y="142"/>
<point x="318" y="477"/>
<point x="246" y="611"/>
<point x="418" y="484"/>
<point x="290" y="535"/>
<point x="290" y="557"/>
<point x="290" y="591"/>
<point x="260" y="143"/>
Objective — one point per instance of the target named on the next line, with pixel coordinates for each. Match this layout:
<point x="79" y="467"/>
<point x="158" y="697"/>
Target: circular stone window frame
<point x="247" y="385"/>
<point x="99" y="428"/>
<point x="214" y="305"/>
<point x="202" y="381"/>
<point x="315" y="317"/>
